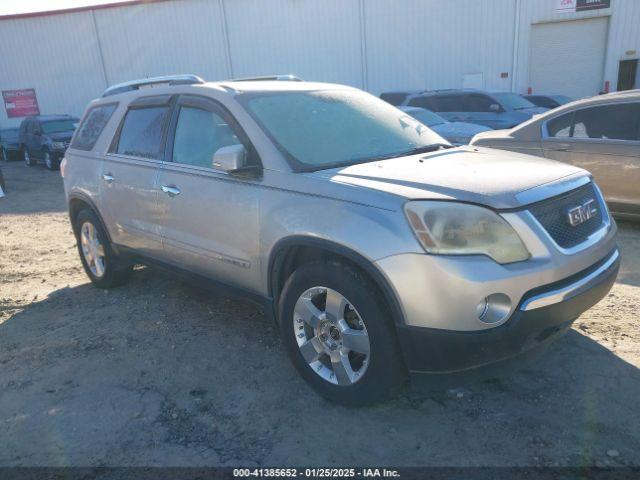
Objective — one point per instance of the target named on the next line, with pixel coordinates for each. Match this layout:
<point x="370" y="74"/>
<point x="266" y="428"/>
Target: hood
<point x="459" y="129"/>
<point x="471" y="174"/>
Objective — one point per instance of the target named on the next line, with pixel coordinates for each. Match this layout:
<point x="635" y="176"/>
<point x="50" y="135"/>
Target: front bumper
<point x="542" y="315"/>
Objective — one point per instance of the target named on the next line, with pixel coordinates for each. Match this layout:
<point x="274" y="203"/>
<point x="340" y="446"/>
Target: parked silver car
<point x="600" y="134"/>
<point x="456" y="133"/>
<point x="377" y="248"/>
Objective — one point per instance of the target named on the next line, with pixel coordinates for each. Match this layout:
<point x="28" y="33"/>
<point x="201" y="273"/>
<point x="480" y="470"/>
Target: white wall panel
<point x="417" y="44"/>
<point x="379" y="44"/>
<point x="55" y="54"/>
<point x="163" y="38"/>
<point x="316" y="40"/>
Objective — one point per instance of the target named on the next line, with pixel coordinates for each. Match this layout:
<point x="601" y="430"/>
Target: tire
<point x="50" y="162"/>
<point x="4" y="155"/>
<point x="366" y="314"/>
<point x="27" y="158"/>
<point x="107" y="270"/>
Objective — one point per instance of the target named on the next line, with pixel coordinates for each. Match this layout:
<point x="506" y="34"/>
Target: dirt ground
<point x="161" y="373"/>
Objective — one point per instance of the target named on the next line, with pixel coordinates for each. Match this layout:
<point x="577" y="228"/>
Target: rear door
<point x="129" y="186"/>
<point x="605" y="140"/>
<point x="210" y="218"/>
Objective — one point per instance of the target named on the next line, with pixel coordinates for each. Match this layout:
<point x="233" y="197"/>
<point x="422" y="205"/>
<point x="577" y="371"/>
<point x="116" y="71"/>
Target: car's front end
<point x="495" y="283"/>
<point x="509" y="251"/>
<point x="479" y="254"/>
<point x="58" y="143"/>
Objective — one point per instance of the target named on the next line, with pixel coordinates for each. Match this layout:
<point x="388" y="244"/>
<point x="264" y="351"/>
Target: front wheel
<point x="339" y="334"/>
<point x="100" y="262"/>
<point x="49" y="161"/>
<point x="27" y="158"/>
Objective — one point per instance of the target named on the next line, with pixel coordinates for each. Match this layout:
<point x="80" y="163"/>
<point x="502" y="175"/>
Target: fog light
<point x="494" y="308"/>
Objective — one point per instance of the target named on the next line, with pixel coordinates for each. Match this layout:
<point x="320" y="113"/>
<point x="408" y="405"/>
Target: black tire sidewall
<point x="52" y="160"/>
<point x="385" y="372"/>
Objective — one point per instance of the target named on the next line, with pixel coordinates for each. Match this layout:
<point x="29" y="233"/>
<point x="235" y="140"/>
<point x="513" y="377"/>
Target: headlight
<point x="451" y="228"/>
<point x="57" y="145"/>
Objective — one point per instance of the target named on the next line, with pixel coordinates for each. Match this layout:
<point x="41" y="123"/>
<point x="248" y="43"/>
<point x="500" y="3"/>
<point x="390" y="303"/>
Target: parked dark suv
<point x="46" y="137"/>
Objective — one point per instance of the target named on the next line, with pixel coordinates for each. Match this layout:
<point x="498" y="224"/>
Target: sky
<point x="12" y="7"/>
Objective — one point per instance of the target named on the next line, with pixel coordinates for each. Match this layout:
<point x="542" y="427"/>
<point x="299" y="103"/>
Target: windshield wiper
<point x="426" y="149"/>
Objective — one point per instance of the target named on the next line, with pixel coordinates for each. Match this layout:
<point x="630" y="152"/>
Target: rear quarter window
<point x="92" y="126"/>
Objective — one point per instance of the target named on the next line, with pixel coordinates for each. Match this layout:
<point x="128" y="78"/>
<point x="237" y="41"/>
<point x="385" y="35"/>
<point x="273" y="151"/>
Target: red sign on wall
<point x="20" y="103"/>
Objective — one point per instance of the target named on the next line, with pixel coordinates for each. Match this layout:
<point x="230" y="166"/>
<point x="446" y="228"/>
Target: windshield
<point x="562" y="99"/>
<point x="427" y="117"/>
<point x="512" y="101"/>
<point x="56" y="126"/>
<point x="331" y="128"/>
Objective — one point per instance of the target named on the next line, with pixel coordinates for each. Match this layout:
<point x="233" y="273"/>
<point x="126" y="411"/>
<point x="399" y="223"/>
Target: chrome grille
<point x="553" y="215"/>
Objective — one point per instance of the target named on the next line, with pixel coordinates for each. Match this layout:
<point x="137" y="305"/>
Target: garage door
<point x="568" y="57"/>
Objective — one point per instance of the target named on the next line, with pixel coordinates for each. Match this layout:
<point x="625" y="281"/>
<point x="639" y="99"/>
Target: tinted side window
<point x="614" y="122"/>
<point x="544" y="102"/>
<point x="199" y="134"/>
<point x="92" y="126"/>
<point x="141" y="132"/>
<point x="560" y="127"/>
<point x="394" y="98"/>
<point x="477" y="103"/>
<point x="451" y="103"/>
<point x="430" y="103"/>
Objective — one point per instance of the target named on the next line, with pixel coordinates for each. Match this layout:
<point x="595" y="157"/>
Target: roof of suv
<point x="275" y="86"/>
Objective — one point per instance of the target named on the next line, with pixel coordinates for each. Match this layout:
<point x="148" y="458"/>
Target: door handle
<point x="170" y="190"/>
<point x="107" y="177"/>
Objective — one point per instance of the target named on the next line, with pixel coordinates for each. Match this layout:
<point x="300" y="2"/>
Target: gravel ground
<point x="161" y="373"/>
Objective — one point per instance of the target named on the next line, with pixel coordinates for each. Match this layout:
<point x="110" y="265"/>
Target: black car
<point x="46" y="138"/>
<point x="548" y="101"/>
<point x="9" y="146"/>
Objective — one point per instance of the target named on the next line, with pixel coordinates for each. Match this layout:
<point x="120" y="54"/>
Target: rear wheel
<point x="339" y="334"/>
<point x="49" y="161"/>
<point x="100" y="262"/>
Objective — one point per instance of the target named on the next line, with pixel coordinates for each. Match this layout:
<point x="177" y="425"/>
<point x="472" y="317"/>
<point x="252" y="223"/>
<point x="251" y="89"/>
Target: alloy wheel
<point x="331" y="335"/>
<point x="92" y="249"/>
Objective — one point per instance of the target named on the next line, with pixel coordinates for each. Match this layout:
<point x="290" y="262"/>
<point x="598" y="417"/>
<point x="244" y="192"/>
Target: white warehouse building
<point x="572" y="47"/>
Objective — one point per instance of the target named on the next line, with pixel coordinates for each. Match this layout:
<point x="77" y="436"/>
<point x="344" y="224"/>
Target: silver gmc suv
<point x="376" y="247"/>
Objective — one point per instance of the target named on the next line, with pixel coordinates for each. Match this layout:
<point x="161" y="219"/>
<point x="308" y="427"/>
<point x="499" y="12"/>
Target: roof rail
<point x="625" y="92"/>
<point x="282" y="78"/>
<point x="142" y="82"/>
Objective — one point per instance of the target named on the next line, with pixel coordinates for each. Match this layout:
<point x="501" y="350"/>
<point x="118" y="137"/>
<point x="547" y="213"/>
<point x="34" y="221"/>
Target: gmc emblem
<point x="582" y="213"/>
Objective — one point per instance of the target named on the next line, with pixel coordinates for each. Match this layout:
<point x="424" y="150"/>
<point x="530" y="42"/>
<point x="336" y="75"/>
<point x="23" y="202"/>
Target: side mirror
<point x="494" y="107"/>
<point x="228" y="159"/>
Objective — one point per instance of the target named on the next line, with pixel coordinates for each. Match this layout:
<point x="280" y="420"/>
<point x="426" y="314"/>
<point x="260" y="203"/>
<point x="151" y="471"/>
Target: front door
<point x="210" y="218"/>
<point x="605" y="140"/>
